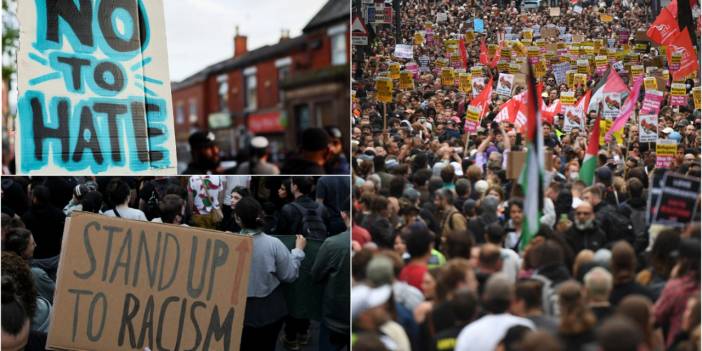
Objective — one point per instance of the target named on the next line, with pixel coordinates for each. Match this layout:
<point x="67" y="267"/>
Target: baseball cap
<point x="201" y="139"/>
<point x="668" y="130"/>
<point x="364" y="298"/>
<point x="675" y="136"/>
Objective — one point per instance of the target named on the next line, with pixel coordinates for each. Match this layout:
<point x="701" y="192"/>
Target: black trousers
<point x="262" y="338"/>
<point x="294" y="326"/>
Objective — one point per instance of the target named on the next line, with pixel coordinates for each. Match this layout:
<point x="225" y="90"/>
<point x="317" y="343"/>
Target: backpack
<point x="313" y="226"/>
<point x="620" y="228"/>
<point x="640" y="228"/>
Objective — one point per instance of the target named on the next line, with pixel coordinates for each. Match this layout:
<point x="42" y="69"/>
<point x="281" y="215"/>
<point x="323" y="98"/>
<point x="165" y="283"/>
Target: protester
<point x="454" y="104"/>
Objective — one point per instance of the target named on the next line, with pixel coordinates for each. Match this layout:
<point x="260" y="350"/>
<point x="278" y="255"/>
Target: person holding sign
<point x="271" y="264"/>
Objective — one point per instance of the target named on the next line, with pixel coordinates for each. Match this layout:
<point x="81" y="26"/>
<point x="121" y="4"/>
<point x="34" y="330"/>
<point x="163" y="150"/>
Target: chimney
<point x="284" y="35"/>
<point x="239" y="43"/>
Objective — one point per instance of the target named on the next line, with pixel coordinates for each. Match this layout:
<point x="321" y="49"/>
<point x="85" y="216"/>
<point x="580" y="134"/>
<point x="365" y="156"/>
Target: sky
<point x="201" y="32"/>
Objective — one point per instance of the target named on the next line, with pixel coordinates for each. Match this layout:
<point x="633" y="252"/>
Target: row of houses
<point x="275" y="91"/>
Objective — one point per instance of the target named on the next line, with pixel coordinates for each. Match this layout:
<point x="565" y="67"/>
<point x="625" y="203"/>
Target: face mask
<point x="574" y="175"/>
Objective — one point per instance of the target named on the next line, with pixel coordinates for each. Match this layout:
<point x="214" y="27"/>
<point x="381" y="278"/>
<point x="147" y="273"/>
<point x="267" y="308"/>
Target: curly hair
<point x="18" y="269"/>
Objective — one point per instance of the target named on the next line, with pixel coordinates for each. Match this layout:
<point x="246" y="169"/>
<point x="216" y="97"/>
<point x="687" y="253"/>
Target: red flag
<point x="673" y="8"/>
<point x="483" y="53"/>
<point x="482" y="101"/>
<point x="688" y="63"/>
<point x="664" y="29"/>
<point x="493" y="62"/>
<point x="462" y="50"/>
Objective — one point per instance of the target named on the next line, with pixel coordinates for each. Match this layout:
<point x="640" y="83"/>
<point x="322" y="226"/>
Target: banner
<point x="403" y="51"/>
<point x="505" y="84"/>
<point x="125" y="285"/>
<point x="94" y="89"/>
<point x="611" y="105"/>
<point x="648" y="128"/>
<point x="665" y="152"/>
<point x="679" y="200"/>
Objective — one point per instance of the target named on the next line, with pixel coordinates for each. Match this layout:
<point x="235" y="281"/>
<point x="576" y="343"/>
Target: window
<point x="337" y="34"/>
<point x="250" y="88"/>
<point x="222" y="92"/>
<point x="192" y="108"/>
<point x="180" y="113"/>
<point x="302" y="116"/>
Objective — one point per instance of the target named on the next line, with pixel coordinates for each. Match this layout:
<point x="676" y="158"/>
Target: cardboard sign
<point x="469" y="36"/>
<point x="559" y="72"/>
<point x="403" y="51"/>
<point x="678" y="201"/>
<point x="125" y="285"/>
<point x="550" y="33"/>
<point x="505" y="84"/>
<point x="554" y="12"/>
<point x="665" y="152"/>
<point x="648" y="128"/>
<point x="516" y="160"/>
<point x="94" y="89"/>
<point x="678" y="97"/>
<point x="696" y="93"/>
<point x="406" y="80"/>
<point x="383" y="89"/>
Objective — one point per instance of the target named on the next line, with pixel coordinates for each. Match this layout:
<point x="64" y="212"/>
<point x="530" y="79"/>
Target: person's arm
<point x="287" y="263"/>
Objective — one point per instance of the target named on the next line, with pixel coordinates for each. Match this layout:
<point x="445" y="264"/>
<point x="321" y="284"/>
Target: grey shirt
<point x="271" y="263"/>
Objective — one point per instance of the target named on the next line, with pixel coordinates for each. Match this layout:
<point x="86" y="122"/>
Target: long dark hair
<point x="250" y="213"/>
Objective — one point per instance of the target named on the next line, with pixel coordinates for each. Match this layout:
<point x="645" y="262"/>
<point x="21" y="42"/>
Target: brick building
<point x="275" y="91"/>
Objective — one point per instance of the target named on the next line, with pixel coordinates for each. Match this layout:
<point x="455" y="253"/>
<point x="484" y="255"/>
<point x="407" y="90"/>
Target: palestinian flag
<point x="587" y="170"/>
<point x="610" y="82"/>
<point x="532" y="177"/>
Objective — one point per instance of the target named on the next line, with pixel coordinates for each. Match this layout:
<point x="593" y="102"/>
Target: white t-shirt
<point x="126" y="213"/>
<point x="510" y="263"/>
<point x="486" y="332"/>
<point x="205" y="190"/>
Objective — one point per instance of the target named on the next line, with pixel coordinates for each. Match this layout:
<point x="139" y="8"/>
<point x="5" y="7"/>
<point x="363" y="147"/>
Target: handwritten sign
<point x="125" y="285"/>
<point x="94" y="89"/>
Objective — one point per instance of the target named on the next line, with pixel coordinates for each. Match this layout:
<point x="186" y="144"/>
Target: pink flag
<point x="626" y="111"/>
<point x="614" y="83"/>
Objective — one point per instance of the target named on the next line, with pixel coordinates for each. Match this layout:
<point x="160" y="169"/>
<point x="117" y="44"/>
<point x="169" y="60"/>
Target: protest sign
<point x="505" y="84"/>
<point x="394" y="70"/>
<point x="418" y="39"/>
<point x="612" y="104"/>
<point x="600" y="64"/>
<point x="678" y="96"/>
<point x="441" y="17"/>
<point x="580" y="79"/>
<point x="540" y="69"/>
<point x="637" y="71"/>
<point x="654" y="192"/>
<point x="478" y="84"/>
<point x="559" y="72"/>
<point x="464" y="82"/>
<point x="478" y="25"/>
<point x="678" y="201"/>
<point x="652" y="102"/>
<point x="604" y="18"/>
<point x="568" y="98"/>
<point x="94" y="89"/>
<point x="403" y="51"/>
<point x="124" y="285"/>
<point x="605" y="125"/>
<point x="665" y="152"/>
<point x="578" y="9"/>
<point x="550" y="33"/>
<point x="574" y="114"/>
<point x="424" y="63"/>
<point x="476" y="71"/>
<point x="696" y="93"/>
<point x="406" y="80"/>
<point x="447" y="78"/>
<point x="570" y="78"/>
<point x="383" y="89"/>
<point x="472" y="119"/>
<point x="650" y="83"/>
<point x="648" y="128"/>
<point x="554" y="11"/>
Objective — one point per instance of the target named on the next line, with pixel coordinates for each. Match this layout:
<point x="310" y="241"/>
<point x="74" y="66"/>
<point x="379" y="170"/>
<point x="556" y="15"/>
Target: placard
<point x="574" y="114"/>
<point x="447" y="78"/>
<point x="403" y="51"/>
<point x="696" y="92"/>
<point x="611" y="104"/>
<point x="406" y="80"/>
<point x="124" y="285"/>
<point x="605" y="125"/>
<point x="554" y="11"/>
<point x="567" y="98"/>
<point x="478" y="84"/>
<point x="678" y="201"/>
<point x="650" y="83"/>
<point x="472" y="119"/>
<point x="648" y="128"/>
<point x="505" y="84"/>
<point x="383" y="89"/>
<point x="94" y="89"/>
<point x="464" y="82"/>
<point x="678" y="97"/>
<point x="665" y="153"/>
<point x="394" y="70"/>
<point x="652" y="102"/>
<point x="559" y="72"/>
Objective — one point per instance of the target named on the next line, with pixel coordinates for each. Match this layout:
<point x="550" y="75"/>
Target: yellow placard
<point x="533" y="51"/>
<point x="394" y="68"/>
<point x="418" y="38"/>
<point x="383" y="89"/>
<point x="506" y="53"/>
<point x="605" y="124"/>
<point x="476" y="71"/>
<point x="473" y="114"/>
<point x="503" y="67"/>
<point x="568" y="98"/>
<point x="406" y="80"/>
<point x="447" y="78"/>
<point x="696" y="93"/>
<point x="667" y="150"/>
<point x="514" y="68"/>
<point x="540" y="69"/>
<point x="440" y="63"/>
<point x="528" y="34"/>
<point x="469" y="36"/>
<point x="464" y="82"/>
<point x="650" y="83"/>
<point x="570" y="78"/>
<point x="580" y="79"/>
<point x="677" y="89"/>
<point x="637" y="71"/>
<point x="606" y="18"/>
<point x="583" y="66"/>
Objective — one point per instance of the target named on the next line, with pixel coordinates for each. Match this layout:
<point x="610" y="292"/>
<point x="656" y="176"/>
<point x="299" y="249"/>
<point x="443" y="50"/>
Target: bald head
<point x="598" y="283"/>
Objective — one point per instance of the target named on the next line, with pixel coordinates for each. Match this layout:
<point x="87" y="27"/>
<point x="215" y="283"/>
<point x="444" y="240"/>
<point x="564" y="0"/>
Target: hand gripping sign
<point x="94" y="90"/>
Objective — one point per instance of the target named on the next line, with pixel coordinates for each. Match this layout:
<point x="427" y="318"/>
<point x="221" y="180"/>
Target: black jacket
<point x="592" y="239"/>
<point x="290" y="219"/>
<point x="46" y="224"/>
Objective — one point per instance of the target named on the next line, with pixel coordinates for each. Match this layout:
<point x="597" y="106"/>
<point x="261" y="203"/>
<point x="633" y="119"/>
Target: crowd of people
<point x="35" y="209"/>
<point x="321" y="151"/>
<point x="440" y="259"/>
